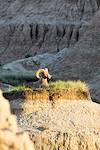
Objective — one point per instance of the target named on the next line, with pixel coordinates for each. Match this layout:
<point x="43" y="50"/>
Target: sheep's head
<point x="43" y="75"/>
<point x="46" y="73"/>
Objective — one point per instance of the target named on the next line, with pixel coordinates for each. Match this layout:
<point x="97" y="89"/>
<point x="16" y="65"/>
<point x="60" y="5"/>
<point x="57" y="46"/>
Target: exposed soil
<point x="49" y="95"/>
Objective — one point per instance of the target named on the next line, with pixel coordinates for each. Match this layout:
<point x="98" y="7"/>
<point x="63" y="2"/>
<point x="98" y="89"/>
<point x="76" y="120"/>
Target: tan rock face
<point x="10" y="137"/>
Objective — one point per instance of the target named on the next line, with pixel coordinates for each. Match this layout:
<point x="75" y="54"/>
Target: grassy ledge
<point x="59" y="90"/>
<point x="69" y="85"/>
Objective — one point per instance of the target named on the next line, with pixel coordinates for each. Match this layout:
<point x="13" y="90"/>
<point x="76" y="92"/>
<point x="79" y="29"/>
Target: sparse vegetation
<point x="69" y="85"/>
<point x="70" y="90"/>
<point x="20" y="88"/>
<point x="59" y="90"/>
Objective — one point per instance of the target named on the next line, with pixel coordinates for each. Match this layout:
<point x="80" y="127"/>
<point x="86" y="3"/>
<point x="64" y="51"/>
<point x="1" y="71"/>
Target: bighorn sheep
<point x="43" y="76"/>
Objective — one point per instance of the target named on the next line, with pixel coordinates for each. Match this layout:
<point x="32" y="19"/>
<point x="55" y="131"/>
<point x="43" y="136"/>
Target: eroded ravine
<point x="41" y="26"/>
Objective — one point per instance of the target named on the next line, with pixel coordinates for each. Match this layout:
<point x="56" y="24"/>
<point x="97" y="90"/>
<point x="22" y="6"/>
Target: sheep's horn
<point x="39" y="72"/>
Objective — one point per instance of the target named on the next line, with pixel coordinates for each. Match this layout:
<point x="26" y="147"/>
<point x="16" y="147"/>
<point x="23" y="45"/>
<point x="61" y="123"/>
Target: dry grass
<point x="20" y="88"/>
<point x="69" y="85"/>
<point x="70" y="90"/>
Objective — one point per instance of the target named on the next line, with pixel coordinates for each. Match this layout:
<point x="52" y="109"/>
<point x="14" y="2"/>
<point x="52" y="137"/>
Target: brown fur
<point x="43" y="77"/>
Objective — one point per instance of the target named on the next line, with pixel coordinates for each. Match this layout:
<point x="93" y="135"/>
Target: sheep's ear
<point x="49" y="76"/>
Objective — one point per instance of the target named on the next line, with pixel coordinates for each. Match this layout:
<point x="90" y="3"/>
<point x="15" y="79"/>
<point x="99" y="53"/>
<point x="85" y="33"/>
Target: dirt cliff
<point x="11" y="138"/>
<point x="73" y="125"/>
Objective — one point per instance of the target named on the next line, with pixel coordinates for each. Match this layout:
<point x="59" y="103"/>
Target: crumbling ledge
<point x="68" y="124"/>
<point x="47" y="94"/>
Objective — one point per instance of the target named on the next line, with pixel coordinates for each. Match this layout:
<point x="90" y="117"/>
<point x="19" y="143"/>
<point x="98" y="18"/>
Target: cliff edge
<point x="10" y="136"/>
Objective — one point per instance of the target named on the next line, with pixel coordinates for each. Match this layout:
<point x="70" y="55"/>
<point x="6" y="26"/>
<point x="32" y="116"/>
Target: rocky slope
<point x="80" y="62"/>
<point x="10" y="136"/>
<point x="73" y="125"/>
<point x="41" y="26"/>
<point x="65" y="65"/>
<point x="34" y="27"/>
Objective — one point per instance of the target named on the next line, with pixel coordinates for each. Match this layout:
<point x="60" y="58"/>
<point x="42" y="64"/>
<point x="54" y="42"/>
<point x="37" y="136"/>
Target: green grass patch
<point x="59" y="90"/>
<point x="69" y="85"/>
<point x="20" y="88"/>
